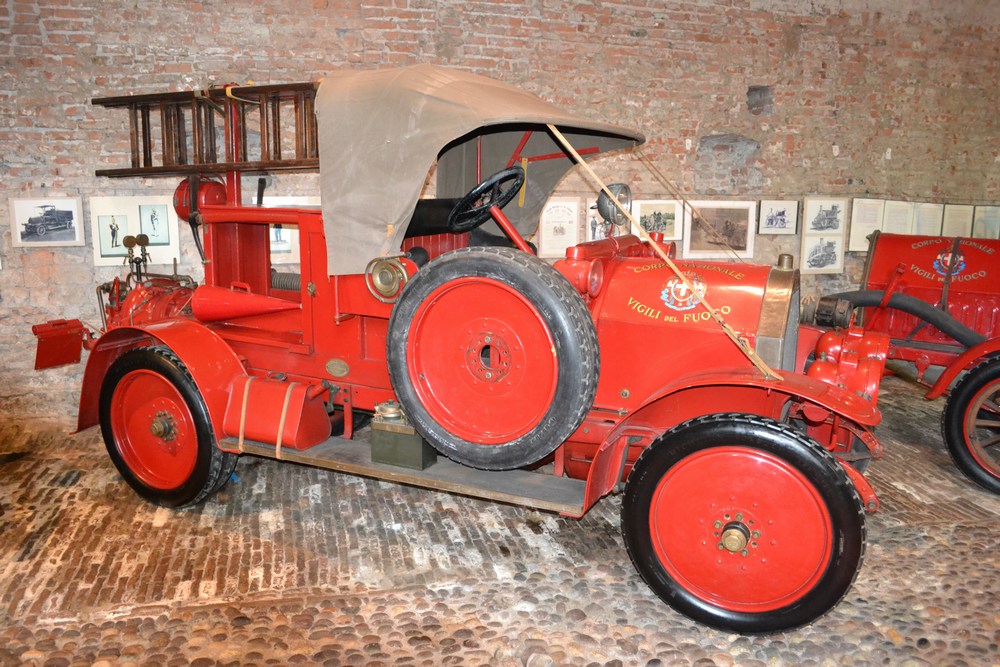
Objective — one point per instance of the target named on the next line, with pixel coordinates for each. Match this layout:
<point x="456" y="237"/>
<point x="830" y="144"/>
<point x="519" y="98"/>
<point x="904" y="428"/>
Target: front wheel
<point x="743" y="523"/>
<point x="157" y="429"/>
<point x="971" y="424"/>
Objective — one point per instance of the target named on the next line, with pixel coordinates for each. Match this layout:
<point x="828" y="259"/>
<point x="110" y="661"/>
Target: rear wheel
<point x="743" y="523"/>
<point x="157" y="429"/>
<point x="971" y="424"/>
<point x="493" y="356"/>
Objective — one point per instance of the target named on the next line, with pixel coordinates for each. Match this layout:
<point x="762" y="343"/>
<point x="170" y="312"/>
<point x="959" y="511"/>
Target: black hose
<point x="914" y="306"/>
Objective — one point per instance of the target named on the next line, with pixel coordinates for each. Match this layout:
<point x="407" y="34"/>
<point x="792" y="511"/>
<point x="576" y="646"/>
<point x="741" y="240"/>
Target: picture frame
<point x="866" y="219"/>
<point x="826" y="215"/>
<point x="597" y="229"/>
<point x="559" y="226"/>
<point x="824" y="231"/>
<point x="986" y="222"/>
<point x="927" y="219"/>
<point x="898" y="217"/>
<point x="114" y="218"/>
<point x="822" y="254"/>
<point x="46" y="222"/>
<point x="778" y="216"/>
<point x="957" y="220"/>
<point x="660" y="215"/>
<point x="719" y="229"/>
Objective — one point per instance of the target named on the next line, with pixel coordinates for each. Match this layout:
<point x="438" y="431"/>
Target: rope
<point x="742" y="343"/>
<point x="243" y="412"/>
<point x="284" y="414"/>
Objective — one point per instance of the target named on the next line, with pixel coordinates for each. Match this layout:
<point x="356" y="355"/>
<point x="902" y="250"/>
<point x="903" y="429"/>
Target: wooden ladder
<point x="176" y="133"/>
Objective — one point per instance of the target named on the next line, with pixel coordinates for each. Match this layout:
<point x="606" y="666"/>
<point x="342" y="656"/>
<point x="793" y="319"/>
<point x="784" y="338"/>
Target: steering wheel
<point x="474" y="208"/>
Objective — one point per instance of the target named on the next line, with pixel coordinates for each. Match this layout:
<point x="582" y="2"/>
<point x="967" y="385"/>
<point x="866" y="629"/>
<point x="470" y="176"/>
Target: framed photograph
<point x="660" y="215"/>
<point x="114" y="218"/>
<point x="559" y="226"/>
<point x="596" y="228"/>
<point x="824" y="215"/>
<point x="822" y="254"/>
<point x="719" y="229"/>
<point x="778" y="216"/>
<point x="51" y="221"/>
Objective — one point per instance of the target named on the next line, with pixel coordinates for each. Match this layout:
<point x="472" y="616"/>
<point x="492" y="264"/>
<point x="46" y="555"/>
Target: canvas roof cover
<point x="381" y="131"/>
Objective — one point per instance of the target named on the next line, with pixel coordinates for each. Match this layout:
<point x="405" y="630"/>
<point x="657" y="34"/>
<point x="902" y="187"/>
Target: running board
<point x="518" y="487"/>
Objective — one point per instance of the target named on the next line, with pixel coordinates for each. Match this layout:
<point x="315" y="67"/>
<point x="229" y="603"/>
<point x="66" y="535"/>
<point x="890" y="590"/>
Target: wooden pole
<point x="742" y="343"/>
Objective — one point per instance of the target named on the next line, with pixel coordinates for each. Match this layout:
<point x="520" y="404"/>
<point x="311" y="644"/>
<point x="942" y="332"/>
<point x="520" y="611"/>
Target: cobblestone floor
<point x="293" y="565"/>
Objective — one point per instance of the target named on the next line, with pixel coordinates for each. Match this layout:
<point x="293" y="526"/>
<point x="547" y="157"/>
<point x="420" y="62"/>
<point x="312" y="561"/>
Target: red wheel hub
<point x="154" y="430"/>
<point x="482" y="360"/>
<point x="741" y="529"/>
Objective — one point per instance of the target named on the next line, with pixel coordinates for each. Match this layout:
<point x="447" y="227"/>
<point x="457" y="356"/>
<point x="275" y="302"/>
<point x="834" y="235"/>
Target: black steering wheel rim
<point x="473" y="209"/>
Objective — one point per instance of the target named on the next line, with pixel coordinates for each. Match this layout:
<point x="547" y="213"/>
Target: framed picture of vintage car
<point x="822" y="254"/>
<point x="822" y="215"/>
<point x="778" y="216"/>
<point x="48" y="221"/>
<point x="824" y="230"/>
<point x="719" y="229"/>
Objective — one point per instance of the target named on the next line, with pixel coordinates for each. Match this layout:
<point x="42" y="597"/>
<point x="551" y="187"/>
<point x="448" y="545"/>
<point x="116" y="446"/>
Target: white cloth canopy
<point x="381" y="131"/>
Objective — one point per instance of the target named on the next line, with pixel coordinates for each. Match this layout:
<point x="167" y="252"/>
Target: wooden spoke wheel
<point x="971" y="424"/>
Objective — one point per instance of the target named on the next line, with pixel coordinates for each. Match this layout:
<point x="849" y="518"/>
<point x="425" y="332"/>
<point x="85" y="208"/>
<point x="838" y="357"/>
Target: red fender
<point x="963" y="361"/>
<point x="212" y="363"/>
<point x="823" y="394"/>
<point x="676" y="402"/>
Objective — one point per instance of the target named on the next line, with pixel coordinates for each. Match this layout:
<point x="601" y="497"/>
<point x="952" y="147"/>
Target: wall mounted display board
<point x="986" y="222"/>
<point x="957" y="220"/>
<point x="866" y="218"/>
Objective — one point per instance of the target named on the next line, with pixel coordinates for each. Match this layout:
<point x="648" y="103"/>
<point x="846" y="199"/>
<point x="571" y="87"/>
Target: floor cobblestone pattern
<point x="294" y="565"/>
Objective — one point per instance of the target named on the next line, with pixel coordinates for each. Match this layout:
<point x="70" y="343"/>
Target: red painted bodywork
<point x="271" y="362"/>
<point x="917" y="266"/>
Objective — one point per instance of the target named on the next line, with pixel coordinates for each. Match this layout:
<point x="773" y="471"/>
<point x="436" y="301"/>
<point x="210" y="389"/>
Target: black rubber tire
<point x="562" y="312"/>
<point x="734" y="435"/>
<point x="980" y="466"/>
<point x="212" y="467"/>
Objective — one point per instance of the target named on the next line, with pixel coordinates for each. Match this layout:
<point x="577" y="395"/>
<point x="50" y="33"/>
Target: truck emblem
<point x="677" y="296"/>
<point x="949" y="262"/>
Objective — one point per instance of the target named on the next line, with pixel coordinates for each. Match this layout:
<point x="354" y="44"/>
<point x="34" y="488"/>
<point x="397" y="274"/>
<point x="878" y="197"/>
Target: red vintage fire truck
<point x="416" y="320"/>
<point x="938" y="299"/>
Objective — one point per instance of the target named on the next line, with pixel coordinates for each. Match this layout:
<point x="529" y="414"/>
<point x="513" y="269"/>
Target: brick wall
<point x="785" y="81"/>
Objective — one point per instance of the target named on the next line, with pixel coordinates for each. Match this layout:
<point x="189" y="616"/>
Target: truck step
<point x="518" y="487"/>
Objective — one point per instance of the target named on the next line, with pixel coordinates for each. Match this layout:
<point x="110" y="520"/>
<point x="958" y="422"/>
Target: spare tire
<point x="493" y="356"/>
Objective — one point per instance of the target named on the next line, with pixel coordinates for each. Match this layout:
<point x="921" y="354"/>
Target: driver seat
<point x="427" y="234"/>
